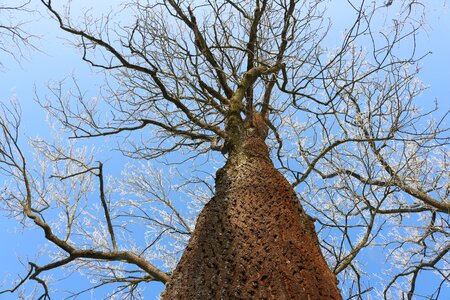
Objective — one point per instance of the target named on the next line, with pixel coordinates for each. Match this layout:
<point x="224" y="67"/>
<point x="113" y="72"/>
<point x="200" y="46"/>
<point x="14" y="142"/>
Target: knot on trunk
<point x="257" y="125"/>
<point x="251" y="142"/>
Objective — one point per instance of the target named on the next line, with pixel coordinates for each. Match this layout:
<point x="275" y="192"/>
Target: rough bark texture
<point x="252" y="240"/>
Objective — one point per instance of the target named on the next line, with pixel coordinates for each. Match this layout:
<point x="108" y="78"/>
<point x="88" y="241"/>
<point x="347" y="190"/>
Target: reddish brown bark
<point x="252" y="240"/>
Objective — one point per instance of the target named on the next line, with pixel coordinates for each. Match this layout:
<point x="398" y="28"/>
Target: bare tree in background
<point x="13" y="37"/>
<point x="300" y="124"/>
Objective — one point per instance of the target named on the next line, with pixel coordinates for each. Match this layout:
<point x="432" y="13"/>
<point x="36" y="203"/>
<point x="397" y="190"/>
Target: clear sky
<point x="57" y="60"/>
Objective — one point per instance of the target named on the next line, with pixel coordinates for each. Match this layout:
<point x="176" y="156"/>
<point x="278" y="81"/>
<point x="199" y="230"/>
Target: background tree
<point x="369" y="165"/>
<point x="13" y="37"/>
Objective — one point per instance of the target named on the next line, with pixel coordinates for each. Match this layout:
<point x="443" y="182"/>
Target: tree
<point x="230" y="80"/>
<point x="13" y="37"/>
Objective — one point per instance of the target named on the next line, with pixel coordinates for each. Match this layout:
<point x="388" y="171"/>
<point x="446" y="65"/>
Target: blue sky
<point x="57" y="60"/>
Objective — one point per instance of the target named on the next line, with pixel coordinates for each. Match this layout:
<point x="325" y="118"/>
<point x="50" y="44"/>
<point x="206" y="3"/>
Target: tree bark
<point x="252" y="239"/>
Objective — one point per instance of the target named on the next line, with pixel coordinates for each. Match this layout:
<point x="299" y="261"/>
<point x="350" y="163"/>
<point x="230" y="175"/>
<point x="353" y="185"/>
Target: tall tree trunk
<point x="252" y="239"/>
